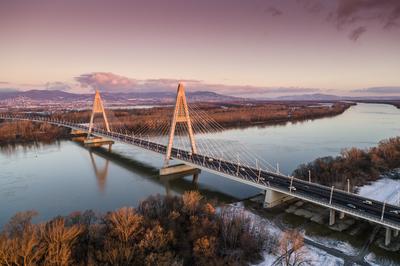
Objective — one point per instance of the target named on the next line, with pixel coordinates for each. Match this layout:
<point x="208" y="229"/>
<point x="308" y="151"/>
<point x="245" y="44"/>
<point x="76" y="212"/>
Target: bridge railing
<point x="203" y="161"/>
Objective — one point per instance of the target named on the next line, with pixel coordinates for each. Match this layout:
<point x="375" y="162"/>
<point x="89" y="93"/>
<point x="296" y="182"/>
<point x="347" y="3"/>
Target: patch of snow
<point x="320" y="257"/>
<point x="238" y="208"/>
<point x="344" y="247"/>
<point x="382" y="189"/>
<point x="372" y="259"/>
<point x="269" y="259"/>
<point x="317" y="256"/>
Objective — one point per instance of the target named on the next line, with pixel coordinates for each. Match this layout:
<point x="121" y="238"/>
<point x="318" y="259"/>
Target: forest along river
<point x="63" y="177"/>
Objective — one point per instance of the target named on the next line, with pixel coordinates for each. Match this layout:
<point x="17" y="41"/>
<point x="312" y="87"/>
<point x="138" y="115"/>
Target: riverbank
<point x="228" y="116"/>
<point x="25" y="131"/>
<point x="353" y="165"/>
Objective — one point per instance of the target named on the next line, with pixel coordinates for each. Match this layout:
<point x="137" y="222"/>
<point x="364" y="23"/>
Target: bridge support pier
<point x="195" y="178"/>
<point x="395" y="233"/>
<point x="341" y="215"/>
<point x="178" y="169"/>
<point x="98" y="142"/>
<point x="273" y="198"/>
<point x="388" y="236"/>
<point x="332" y="217"/>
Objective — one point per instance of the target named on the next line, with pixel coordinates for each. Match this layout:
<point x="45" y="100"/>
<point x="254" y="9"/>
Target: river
<point x="59" y="178"/>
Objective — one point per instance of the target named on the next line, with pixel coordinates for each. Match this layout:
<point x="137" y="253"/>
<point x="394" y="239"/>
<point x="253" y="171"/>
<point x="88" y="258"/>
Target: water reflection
<point x="101" y="174"/>
<point x="173" y="184"/>
<point x="11" y="149"/>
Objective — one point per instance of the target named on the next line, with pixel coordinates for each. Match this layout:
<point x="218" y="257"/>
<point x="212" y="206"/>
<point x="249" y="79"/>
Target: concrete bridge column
<point x="341" y="216"/>
<point x="395" y="233"/>
<point x="388" y="236"/>
<point x="273" y="198"/>
<point x="332" y="217"/>
<point x="195" y="178"/>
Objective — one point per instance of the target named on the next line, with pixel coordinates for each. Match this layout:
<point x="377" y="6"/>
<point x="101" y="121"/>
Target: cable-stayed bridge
<point x="213" y="157"/>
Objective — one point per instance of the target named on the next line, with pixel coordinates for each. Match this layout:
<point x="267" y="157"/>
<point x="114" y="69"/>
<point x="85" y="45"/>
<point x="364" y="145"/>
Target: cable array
<point x="209" y="138"/>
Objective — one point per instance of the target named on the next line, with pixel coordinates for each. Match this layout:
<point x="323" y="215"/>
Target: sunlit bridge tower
<point x="98" y="108"/>
<point x="181" y="115"/>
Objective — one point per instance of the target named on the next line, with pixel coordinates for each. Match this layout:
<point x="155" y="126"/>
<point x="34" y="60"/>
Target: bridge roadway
<point x="342" y="201"/>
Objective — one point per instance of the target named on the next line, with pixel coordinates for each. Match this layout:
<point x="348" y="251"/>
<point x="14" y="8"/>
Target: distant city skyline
<point x="273" y="47"/>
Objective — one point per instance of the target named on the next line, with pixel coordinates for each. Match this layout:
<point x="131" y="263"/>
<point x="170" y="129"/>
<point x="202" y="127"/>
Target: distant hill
<point x="42" y="95"/>
<point x="57" y="95"/>
<point x="310" y="97"/>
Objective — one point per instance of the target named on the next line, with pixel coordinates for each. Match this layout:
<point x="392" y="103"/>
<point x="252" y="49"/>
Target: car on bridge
<point x="368" y="202"/>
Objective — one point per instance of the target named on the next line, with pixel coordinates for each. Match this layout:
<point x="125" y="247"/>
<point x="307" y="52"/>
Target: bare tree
<point x="59" y="241"/>
<point x="292" y="250"/>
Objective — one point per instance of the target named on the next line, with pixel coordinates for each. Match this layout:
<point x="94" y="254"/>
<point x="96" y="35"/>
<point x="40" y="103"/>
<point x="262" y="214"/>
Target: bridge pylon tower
<point x="98" y="108"/>
<point x="181" y="115"/>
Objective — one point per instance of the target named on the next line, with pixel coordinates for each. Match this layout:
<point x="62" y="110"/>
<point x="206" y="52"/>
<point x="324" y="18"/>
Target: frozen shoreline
<point x="384" y="189"/>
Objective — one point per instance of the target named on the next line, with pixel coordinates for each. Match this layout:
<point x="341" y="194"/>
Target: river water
<point x="59" y="178"/>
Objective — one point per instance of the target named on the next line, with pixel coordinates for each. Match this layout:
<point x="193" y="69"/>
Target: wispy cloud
<point x="356" y="33"/>
<point x="110" y="82"/>
<point x="106" y="81"/>
<point x="62" y="86"/>
<point x="386" y="12"/>
<point x="357" y="15"/>
<point x="273" y="11"/>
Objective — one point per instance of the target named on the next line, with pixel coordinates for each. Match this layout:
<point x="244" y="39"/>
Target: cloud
<point x="273" y="11"/>
<point x="313" y="6"/>
<point x="379" y="90"/>
<point x="386" y="12"/>
<point x="357" y="15"/>
<point x="106" y="81"/>
<point x="355" y="34"/>
<point x="110" y="82"/>
<point x="364" y="12"/>
<point x="61" y="86"/>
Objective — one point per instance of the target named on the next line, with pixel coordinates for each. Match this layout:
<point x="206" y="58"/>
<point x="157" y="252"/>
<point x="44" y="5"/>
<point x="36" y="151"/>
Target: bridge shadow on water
<point x="173" y="184"/>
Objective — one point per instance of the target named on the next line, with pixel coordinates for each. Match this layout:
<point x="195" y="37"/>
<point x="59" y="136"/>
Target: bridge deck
<point x="348" y="203"/>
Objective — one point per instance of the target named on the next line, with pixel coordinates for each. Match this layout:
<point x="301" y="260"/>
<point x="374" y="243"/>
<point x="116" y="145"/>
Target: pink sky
<point x="333" y="45"/>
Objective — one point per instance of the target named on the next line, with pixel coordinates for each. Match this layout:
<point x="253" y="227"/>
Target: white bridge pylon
<point x="98" y="108"/>
<point x="181" y="115"/>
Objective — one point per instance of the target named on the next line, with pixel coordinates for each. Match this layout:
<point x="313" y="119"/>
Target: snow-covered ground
<point x="316" y="256"/>
<point x="320" y="257"/>
<point x="257" y="220"/>
<point x="344" y="247"/>
<point x="372" y="259"/>
<point x="384" y="189"/>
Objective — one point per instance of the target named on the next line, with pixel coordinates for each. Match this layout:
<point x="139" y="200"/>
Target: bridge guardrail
<point x="139" y="142"/>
